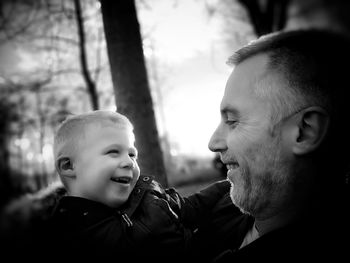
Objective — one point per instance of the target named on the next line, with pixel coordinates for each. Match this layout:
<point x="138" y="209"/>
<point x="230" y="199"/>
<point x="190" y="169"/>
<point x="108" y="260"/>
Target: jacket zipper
<point x="127" y="220"/>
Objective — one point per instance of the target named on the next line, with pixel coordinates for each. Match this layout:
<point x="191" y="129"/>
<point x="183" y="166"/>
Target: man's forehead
<point x="252" y="67"/>
<point x="245" y="76"/>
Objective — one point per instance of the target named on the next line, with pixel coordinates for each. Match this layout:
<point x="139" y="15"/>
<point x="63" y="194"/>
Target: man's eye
<point x="231" y="123"/>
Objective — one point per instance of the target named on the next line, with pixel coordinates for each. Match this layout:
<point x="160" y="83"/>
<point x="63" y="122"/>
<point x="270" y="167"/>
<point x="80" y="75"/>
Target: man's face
<point x="105" y="165"/>
<point x="253" y="153"/>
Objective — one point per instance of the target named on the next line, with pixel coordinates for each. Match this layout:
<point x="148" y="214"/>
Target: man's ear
<point x="313" y="125"/>
<point x="65" y="167"/>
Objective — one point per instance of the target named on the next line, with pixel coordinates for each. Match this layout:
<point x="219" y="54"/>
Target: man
<point x="284" y="136"/>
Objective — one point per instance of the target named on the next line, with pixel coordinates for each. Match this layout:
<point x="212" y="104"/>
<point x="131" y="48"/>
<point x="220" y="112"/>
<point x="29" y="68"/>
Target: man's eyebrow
<point x="228" y="109"/>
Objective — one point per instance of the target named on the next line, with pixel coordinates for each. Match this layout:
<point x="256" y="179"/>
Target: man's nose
<point x="217" y="142"/>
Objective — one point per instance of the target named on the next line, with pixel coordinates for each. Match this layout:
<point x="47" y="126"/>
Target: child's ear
<point x="65" y="167"/>
<point x="312" y="129"/>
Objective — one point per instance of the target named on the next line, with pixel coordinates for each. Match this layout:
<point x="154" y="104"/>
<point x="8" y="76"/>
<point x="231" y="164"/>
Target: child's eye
<point x="133" y="155"/>
<point x="113" y="151"/>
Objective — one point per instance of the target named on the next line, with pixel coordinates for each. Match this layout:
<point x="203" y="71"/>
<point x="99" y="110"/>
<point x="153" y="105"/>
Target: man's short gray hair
<point x="306" y="61"/>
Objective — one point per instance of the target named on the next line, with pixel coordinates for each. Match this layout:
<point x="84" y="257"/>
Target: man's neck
<point x="275" y="222"/>
<point x="302" y="209"/>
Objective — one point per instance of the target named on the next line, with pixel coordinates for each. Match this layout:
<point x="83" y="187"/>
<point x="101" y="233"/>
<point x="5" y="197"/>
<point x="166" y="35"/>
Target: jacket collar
<point x="143" y="184"/>
<point x="81" y="205"/>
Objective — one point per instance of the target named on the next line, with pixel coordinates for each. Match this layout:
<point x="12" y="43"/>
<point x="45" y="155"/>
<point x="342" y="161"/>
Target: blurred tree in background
<point x="129" y="75"/>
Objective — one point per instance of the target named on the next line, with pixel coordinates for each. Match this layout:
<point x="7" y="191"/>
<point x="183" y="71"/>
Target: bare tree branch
<point x="83" y="59"/>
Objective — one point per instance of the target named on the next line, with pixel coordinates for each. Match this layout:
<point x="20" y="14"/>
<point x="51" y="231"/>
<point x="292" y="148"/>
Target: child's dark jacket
<point x="149" y="225"/>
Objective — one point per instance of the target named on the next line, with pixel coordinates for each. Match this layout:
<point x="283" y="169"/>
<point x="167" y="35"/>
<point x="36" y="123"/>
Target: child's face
<point x="105" y="165"/>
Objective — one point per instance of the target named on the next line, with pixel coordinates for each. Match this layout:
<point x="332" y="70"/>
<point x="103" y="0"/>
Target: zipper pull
<point x="127" y="220"/>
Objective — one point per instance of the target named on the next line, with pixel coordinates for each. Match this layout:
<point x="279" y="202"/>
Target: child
<point x="112" y="210"/>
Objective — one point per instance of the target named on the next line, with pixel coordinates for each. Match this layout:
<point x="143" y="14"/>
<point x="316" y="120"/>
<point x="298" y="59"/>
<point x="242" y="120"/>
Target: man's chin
<point x="238" y="201"/>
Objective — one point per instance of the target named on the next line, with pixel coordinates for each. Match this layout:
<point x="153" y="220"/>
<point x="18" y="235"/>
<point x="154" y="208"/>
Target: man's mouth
<point x="122" y="179"/>
<point x="232" y="166"/>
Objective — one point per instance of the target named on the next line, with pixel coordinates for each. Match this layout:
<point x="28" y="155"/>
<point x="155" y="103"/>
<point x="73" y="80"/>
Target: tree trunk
<point x="129" y="76"/>
<point x="266" y="16"/>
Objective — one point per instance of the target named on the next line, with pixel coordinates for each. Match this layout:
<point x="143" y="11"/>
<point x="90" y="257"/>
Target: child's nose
<point x="127" y="162"/>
